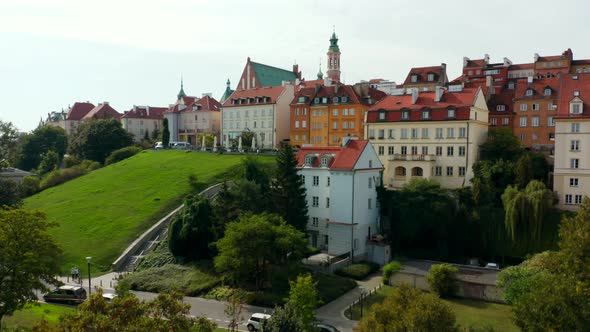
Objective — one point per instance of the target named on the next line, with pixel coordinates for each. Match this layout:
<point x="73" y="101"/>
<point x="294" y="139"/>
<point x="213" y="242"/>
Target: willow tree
<point x="525" y="211"/>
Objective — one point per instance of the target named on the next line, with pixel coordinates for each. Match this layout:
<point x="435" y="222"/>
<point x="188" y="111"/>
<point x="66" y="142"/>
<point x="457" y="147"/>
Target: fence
<point x="361" y="304"/>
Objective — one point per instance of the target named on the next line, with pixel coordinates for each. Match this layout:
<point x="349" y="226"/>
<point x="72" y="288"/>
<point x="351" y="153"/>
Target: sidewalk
<point x="106" y="281"/>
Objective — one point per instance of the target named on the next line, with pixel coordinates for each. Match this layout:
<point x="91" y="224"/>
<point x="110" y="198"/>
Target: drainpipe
<point x="352" y="224"/>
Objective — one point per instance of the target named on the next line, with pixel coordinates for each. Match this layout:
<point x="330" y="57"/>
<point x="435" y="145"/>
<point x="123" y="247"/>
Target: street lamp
<point x="88" y="259"/>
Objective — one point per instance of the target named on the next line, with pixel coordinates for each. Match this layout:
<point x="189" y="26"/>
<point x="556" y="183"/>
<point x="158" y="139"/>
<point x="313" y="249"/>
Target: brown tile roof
<point x="567" y="86"/>
<point x="145" y="112"/>
<point x="423" y="72"/>
<point x="79" y="110"/>
<point x="272" y="92"/>
<point x="345" y="157"/>
<point x="102" y="111"/>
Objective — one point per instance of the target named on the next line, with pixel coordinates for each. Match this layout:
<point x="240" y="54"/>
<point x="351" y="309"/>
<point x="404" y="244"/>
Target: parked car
<point x="181" y="145"/>
<point x="159" y="145"/>
<point x="255" y="321"/>
<point x="326" y="328"/>
<point x="492" y="266"/>
<point x="66" y="294"/>
<point x="109" y="296"/>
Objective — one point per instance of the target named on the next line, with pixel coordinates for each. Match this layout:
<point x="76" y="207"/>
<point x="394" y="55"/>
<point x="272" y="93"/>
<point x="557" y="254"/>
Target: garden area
<point x="33" y="314"/>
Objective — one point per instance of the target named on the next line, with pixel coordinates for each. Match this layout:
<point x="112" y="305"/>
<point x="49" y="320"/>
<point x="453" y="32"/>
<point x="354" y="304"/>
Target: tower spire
<point x="320" y="74"/>
<point x="181" y="92"/>
<point x="334" y="58"/>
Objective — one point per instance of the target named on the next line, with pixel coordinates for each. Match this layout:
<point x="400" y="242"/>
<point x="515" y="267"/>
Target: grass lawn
<point x="33" y="313"/>
<point x="468" y="312"/>
<point x="101" y="213"/>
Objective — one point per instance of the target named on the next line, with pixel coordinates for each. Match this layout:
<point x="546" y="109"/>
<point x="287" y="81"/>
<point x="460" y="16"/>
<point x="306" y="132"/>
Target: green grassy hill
<point x="101" y="213"/>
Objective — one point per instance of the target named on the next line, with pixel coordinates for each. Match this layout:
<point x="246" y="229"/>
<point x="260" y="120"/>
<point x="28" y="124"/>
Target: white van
<point x="181" y="145"/>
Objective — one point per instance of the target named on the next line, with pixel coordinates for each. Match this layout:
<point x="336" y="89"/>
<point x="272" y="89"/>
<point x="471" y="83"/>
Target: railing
<point x="412" y="157"/>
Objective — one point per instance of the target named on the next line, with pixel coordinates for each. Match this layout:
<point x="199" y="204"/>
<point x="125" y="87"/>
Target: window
<point x="529" y="92"/>
<point x="550" y="122"/>
<point x="404" y="150"/>
<point x="381" y="115"/>
<point x="438" y="171"/>
<point x="461" y="151"/>
<point x="336" y="99"/>
<point x="430" y="77"/>
<point x="345" y="111"/>
<point x="405" y="115"/>
<point x="316" y="180"/>
<point x="370" y="182"/>
<point x="424" y="132"/>
<point x="578" y="199"/>
<point x="327" y="202"/>
<point x="522" y="136"/>
<point x="424" y="150"/>
<point x="315" y="221"/>
<point x="371" y="133"/>
<point x="575" y="108"/>
<point x="381" y="150"/>
<point x="316" y="101"/>
<point x="297" y="124"/>
<point x="381" y="133"/>
<point x="450" y="151"/>
<point x="505" y="121"/>
<point x="547" y="92"/>
<point x="523" y="107"/>
<point x="534" y="136"/>
<point x="493" y="121"/>
<point x="450" y="171"/>
<point x="439" y="150"/>
<point x="404" y="133"/>
<point x="568" y="199"/>
<point x="414" y="78"/>
<point x="535" y="121"/>
<point x="500" y="108"/>
<point x="536" y="107"/>
<point x="315" y="201"/>
<point x="462" y="171"/>
<point x="550" y="107"/>
<point x="425" y="115"/>
<point x="511" y="85"/>
<point x="462" y="132"/>
<point x="344" y="125"/>
<point x="575" y="163"/>
<point x="326" y="240"/>
<point x="370" y="203"/>
<point x="328" y="181"/>
<point x="439" y="133"/>
<point x="450" y="132"/>
<point x="414" y="132"/>
<point x="391" y="133"/>
<point x="351" y="125"/>
<point x="523" y="121"/>
<point x="303" y="124"/>
<point x="335" y="112"/>
<point x="450" y="114"/>
<point x="351" y="111"/>
<point x="414" y="150"/>
<point x="575" y="127"/>
<point x="575" y="145"/>
<point x="334" y="125"/>
<point x="576" y="93"/>
<point x="390" y="150"/>
<point x="574" y="182"/>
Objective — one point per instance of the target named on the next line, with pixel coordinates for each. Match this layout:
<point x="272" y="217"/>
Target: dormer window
<point x="576" y="93"/>
<point x="529" y="92"/>
<point x="324" y="100"/>
<point x="430" y="77"/>
<point x="539" y="76"/>
<point x="405" y="115"/>
<point x="233" y="101"/>
<point x="316" y="100"/>
<point x="326" y="159"/>
<point x="511" y="85"/>
<point x="576" y="106"/>
<point x="309" y="159"/>
<point x="451" y="114"/>
<point x="344" y="99"/>
<point x="336" y="99"/>
<point x="381" y="115"/>
<point x="547" y="92"/>
<point x="301" y="99"/>
<point x="414" y="78"/>
<point x="425" y="115"/>
<point x="500" y="108"/>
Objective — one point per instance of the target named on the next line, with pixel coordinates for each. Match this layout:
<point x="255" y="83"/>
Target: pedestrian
<point x="77" y="273"/>
<point x="73" y="272"/>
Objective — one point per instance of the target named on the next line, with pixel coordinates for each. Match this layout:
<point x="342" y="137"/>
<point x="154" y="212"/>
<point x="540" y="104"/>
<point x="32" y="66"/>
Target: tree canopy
<point x="29" y="258"/>
<point x="501" y="144"/>
<point x="8" y="140"/>
<point x="191" y="231"/>
<point x="34" y="146"/>
<point x="165" y="134"/>
<point x="97" y="138"/>
<point x="10" y="194"/>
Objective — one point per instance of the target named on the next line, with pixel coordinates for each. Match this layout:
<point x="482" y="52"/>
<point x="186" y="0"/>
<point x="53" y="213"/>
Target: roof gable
<point x="79" y="110"/>
<point x="272" y="76"/>
<point x="344" y="158"/>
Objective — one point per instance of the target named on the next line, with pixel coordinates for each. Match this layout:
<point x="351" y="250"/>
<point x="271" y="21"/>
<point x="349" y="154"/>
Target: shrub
<point x="60" y="176"/>
<point x="30" y="185"/>
<point x="441" y="279"/>
<point x="358" y="271"/>
<point x="88" y="166"/>
<point x="389" y="269"/>
<point x="70" y="161"/>
<point x="121" y="154"/>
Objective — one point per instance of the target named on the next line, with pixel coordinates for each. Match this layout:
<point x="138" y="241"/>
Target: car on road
<point x="181" y="145"/>
<point x="492" y="266"/>
<point x="109" y="296"/>
<point x="66" y="294"/>
<point x="255" y="321"/>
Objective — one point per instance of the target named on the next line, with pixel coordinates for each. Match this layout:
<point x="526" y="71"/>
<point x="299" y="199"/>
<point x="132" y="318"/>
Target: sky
<point x="127" y="52"/>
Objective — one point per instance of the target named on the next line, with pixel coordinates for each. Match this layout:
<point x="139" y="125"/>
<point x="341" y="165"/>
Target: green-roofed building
<point x="258" y="75"/>
<point x="228" y="91"/>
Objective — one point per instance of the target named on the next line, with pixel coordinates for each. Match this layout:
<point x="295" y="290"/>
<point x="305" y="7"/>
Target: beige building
<point x="191" y="117"/>
<point x="69" y="120"/>
<point x="571" y="177"/>
<point x="433" y="135"/>
<point x="143" y="119"/>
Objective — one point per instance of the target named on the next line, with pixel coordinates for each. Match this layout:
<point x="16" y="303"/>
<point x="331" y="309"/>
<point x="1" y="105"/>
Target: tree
<point x="34" y="146"/>
<point x="285" y="319"/>
<point x="49" y="162"/>
<point x="146" y="136"/>
<point x="28" y="256"/>
<point x="441" y="279"/>
<point x="10" y="194"/>
<point x="8" y="138"/>
<point x="501" y="144"/>
<point x="233" y="309"/>
<point x="97" y="138"/>
<point x="490" y="180"/>
<point x="303" y="297"/>
<point x="524" y="170"/>
<point x="165" y="134"/>
<point x="126" y="313"/>
<point x="288" y="190"/>
<point x="408" y="309"/>
<point x="156" y="134"/>
<point x="191" y="231"/>
<point x="574" y="245"/>
<point x="247" y="137"/>
<point x="244" y="253"/>
<point x="525" y="211"/>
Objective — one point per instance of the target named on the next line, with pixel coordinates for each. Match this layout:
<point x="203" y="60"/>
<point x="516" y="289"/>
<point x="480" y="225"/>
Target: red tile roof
<point x="478" y="63"/>
<point x="567" y="87"/>
<point x="340" y="90"/>
<point x="521" y="66"/>
<point x="205" y="103"/>
<point x="581" y="62"/>
<point x="102" y="111"/>
<point x="208" y="103"/>
<point x="460" y="101"/>
<point x="79" y="110"/>
<point x="538" y="86"/>
<point x="273" y="92"/>
<point x="503" y="98"/>
<point x="312" y="83"/>
<point x="423" y="72"/>
<point x="345" y="157"/>
<point x="145" y="112"/>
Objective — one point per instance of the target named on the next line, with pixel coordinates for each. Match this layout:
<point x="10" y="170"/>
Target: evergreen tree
<point x="192" y="230"/>
<point x="146" y="136"/>
<point x="156" y="134"/>
<point x="524" y="170"/>
<point x="288" y="190"/>
<point x="165" y="134"/>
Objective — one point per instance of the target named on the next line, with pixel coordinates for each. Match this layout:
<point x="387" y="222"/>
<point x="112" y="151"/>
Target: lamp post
<point x="88" y="259"/>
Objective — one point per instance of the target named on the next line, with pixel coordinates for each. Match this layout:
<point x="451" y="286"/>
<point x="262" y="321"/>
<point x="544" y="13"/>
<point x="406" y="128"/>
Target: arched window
<point x="400" y="171"/>
<point x="417" y="171"/>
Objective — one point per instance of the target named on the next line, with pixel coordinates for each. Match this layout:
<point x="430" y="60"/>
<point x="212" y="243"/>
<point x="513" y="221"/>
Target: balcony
<point x="412" y="157"/>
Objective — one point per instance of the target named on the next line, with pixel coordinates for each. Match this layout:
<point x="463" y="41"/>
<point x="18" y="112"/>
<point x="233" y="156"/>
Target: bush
<point x="121" y="154"/>
<point x="30" y="186"/>
<point x="441" y="279"/>
<point x="60" y="176"/>
<point x="88" y="166"/>
<point x="358" y="271"/>
<point x="159" y="257"/>
<point x="70" y="161"/>
<point x="389" y="269"/>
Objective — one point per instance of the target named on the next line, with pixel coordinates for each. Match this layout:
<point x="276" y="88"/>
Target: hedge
<point x="358" y="271"/>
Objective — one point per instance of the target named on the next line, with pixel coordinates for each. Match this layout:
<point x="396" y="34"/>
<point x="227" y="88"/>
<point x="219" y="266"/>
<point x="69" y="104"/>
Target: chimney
<point x="489" y="85"/>
<point x="105" y="102"/>
<point x="134" y="108"/>
<point x="507" y="62"/>
<point x="529" y="79"/>
<point x="443" y="73"/>
<point x="465" y="60"/>
<point x="414" y="95"/>
<point x="438" y="93"/>
<point x="486" y="58"/>
<point x="536" y="57"/>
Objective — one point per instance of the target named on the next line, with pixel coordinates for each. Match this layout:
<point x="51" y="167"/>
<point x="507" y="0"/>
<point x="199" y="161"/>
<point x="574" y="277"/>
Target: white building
<point x="433" y="135"/>
<point x="192" y="116"/>
<point x="341" y="196"/>
<point x="142" y="119"/>
<point x="571" y="178"/>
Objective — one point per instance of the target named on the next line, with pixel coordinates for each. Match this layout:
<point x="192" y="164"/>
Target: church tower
<point x="181" y="93"/>
<point x="334" y="59"/>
